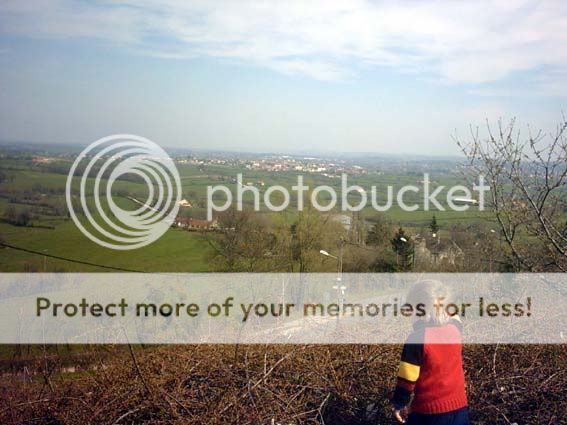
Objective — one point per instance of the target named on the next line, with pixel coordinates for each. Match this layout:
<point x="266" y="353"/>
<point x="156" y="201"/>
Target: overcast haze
<point x="353" y="76"/>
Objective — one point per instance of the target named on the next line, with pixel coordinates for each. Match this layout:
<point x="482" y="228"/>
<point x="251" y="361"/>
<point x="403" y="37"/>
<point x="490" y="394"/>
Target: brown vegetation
<point x="280" y="384"/>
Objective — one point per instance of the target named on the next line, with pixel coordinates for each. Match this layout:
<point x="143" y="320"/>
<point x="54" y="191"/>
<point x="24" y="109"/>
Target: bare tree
<point x="254" y="242"/>
<point x="246" y="242"/>
<point x="527" y="175"/>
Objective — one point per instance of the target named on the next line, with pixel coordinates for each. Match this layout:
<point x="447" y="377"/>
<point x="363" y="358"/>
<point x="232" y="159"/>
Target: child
<point x="431" y="365"/>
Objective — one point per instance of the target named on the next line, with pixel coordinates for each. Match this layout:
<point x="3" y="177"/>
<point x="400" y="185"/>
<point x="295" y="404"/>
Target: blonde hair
<point x="431" y="293"/>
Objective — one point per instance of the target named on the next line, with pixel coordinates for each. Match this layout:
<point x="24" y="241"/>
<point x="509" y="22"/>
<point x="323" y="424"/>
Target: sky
<point x="280" y="76"/>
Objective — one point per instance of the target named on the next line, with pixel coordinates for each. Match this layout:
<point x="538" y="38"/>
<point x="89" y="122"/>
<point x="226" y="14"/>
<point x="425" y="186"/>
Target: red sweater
<point x="431" y="367"/>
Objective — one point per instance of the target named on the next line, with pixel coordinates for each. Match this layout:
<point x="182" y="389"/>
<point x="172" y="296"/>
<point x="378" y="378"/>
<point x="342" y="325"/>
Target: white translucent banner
<point x="278" y="308"/>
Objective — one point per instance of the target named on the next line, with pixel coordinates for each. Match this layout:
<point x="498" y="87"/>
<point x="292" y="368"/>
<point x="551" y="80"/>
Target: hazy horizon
<point x="183" y="150"/>
<point x="368" y="77"/>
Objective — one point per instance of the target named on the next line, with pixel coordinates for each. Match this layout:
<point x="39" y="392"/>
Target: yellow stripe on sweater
<point x="408" y="371"/>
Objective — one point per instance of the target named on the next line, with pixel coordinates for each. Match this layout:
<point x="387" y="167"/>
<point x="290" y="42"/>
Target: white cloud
<point x="474" y="42"/>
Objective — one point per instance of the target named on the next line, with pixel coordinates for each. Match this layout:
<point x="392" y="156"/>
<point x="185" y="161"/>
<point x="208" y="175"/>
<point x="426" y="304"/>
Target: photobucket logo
<point x="125" y="158"/>
<point x="352" y="197"/>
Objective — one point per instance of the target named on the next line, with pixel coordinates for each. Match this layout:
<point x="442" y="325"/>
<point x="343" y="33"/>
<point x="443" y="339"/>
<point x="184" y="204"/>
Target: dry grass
<point x="279" y="384"/>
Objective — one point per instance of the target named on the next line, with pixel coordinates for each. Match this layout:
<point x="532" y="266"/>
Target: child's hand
<point x="398" y="415"/>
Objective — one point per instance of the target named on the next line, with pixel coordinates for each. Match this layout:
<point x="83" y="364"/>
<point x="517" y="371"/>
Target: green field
<point x="41" y="189"/>
<point x="176" y="251"/>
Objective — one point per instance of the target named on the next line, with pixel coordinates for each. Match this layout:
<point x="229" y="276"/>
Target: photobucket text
<point x="354" y="197"/>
